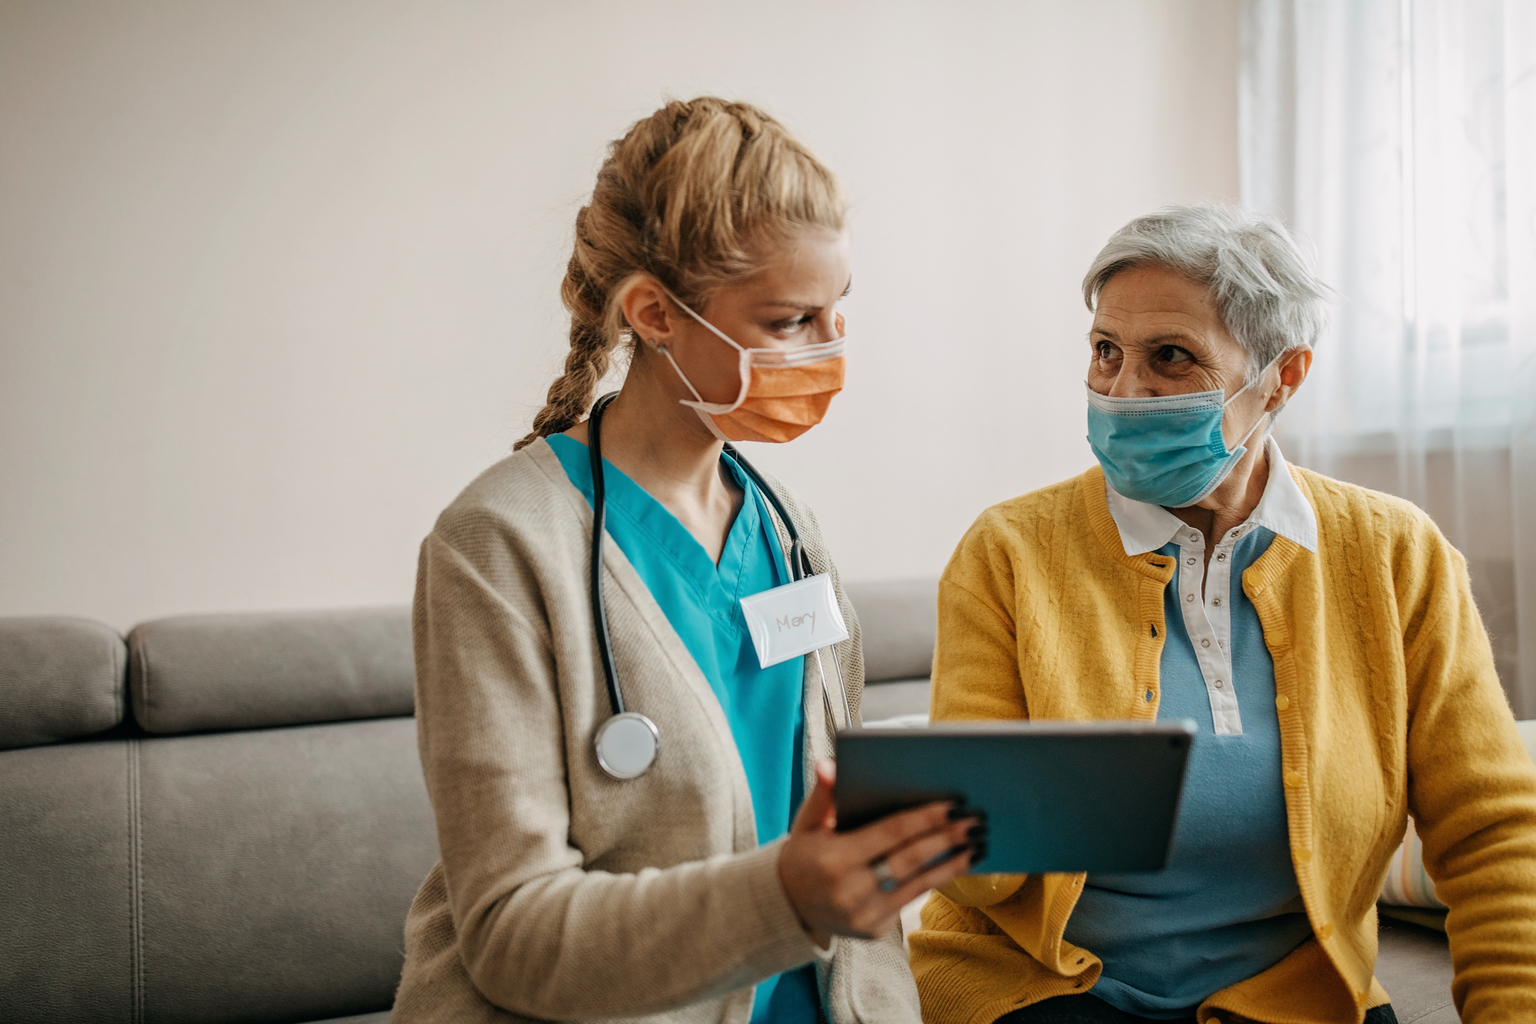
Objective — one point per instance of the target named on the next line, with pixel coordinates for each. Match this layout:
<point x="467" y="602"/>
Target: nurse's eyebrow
<point x="791" y="304"/>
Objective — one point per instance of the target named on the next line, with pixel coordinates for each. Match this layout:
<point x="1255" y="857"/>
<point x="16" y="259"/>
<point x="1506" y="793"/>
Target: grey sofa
<point x="222" y="819"/>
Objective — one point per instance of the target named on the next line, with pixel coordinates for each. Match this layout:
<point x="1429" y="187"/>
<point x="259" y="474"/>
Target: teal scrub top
<point x="702" y="602"/>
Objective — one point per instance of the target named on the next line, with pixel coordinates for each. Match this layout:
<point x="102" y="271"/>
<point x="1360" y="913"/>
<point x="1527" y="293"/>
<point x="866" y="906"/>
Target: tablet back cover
<point x="1100" y="796"/>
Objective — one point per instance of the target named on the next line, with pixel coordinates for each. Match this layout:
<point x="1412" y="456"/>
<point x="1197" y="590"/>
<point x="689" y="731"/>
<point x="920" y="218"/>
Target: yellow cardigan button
<point x="1293" y="779"/>
<point x="1325" y="932"/>
<point x="1303" y="855"/>
<point x="1282" y="702"/>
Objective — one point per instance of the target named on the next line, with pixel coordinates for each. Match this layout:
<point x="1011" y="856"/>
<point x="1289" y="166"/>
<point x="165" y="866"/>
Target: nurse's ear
<point x="648" y="311"/>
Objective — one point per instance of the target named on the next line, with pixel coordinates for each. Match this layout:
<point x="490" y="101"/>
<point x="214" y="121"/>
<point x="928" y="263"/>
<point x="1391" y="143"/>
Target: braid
<point x="572" y="392"/>
<point x="678" y="198"/>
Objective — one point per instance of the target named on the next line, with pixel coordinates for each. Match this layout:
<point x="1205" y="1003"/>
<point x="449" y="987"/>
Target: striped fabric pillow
<point x="1407" y="883"/>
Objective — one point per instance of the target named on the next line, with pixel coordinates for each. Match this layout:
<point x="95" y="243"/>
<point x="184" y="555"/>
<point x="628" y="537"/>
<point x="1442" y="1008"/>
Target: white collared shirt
<point x="1208" y="617"/>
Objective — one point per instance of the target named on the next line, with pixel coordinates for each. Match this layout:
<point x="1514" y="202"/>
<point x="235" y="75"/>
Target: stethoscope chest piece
<point x="627" y="745"/>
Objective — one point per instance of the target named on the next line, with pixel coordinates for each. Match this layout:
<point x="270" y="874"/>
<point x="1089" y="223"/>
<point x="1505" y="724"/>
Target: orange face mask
<point x="783" y="393"/>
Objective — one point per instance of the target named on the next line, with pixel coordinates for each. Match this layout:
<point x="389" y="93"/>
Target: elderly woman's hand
<point x="834" y="878"/>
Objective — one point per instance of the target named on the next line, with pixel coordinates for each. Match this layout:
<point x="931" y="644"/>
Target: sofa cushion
<point x="251" y="876"/>
<point x="1414" y="965"/>
<point x="904" y="699"/>
<point x="899" y="620"/>
<point x="66" y="895"/>
<point x="277" y="868"/>
<point x="60" y="678"/>
<point x="204" y="672"/>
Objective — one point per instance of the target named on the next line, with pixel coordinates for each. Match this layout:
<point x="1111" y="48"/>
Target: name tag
<point x="794" y="619"/>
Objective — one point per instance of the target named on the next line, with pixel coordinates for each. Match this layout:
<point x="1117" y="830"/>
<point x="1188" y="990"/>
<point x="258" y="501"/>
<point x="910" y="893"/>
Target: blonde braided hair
<point x="685" y="196"/>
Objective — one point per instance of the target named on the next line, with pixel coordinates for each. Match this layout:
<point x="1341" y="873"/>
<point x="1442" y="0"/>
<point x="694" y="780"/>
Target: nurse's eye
<point x="1104" y="351"/>
<point x="793" y="324"/>
<point x="1173" y="354"/>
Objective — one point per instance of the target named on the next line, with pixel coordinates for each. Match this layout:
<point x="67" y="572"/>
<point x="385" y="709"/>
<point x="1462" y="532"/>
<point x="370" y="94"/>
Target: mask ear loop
<point x="1254" y="429"/>
<point x="743" y="365"/>
<point x="701" y="408"/>
<point x="1240" y="449"/>
<point x="1256" y="423"/>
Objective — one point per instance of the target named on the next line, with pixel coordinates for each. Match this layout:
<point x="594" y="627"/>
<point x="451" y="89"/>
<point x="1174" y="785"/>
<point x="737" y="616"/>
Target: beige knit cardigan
<point x="564" y="894"/>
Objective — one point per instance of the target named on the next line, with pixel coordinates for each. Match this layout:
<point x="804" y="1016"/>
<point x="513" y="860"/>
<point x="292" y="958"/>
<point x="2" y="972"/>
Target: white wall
<point x="277" y="279"/>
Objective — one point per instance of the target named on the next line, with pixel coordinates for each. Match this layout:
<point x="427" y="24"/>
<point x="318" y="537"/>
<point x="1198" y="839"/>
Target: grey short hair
<point x="1262" y="286"/>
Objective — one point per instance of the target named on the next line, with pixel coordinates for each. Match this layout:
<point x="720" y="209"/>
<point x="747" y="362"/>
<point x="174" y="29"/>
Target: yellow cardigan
<point x="1388" y="705"/>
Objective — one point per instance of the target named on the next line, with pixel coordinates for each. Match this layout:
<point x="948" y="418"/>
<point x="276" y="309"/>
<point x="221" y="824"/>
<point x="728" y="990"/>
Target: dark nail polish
<point x="977" y="832"/>
<point x="958" y="811"/>
<point x="978" y="853"/>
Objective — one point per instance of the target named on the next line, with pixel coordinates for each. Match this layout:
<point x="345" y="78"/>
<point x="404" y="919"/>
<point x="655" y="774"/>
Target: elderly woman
<point x="1323" y="637"/>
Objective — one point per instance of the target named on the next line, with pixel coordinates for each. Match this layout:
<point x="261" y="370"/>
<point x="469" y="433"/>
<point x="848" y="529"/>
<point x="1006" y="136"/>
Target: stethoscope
<point x="628" y="742"/>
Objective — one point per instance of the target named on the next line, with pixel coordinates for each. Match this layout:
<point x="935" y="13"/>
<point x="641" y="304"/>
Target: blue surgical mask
<point x="1163" y="451"/>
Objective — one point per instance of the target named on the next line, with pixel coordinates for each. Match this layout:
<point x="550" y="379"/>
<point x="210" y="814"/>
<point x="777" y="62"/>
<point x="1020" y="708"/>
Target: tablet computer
<point x="1059" y="796"/>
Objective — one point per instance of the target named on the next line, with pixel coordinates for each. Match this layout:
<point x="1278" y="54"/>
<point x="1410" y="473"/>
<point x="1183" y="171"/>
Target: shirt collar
<point x="1283" y="509"/>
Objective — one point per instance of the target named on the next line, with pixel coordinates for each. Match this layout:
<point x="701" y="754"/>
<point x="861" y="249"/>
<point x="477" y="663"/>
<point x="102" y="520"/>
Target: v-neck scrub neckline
<point x="701" y="600"/>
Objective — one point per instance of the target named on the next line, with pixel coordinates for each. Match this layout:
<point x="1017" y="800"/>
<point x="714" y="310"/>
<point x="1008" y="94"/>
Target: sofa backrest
<point x="899" y="619"/>
<point x="198" y="673"/>
<point x="246" y="850"/>
<point x="60" y="679"/>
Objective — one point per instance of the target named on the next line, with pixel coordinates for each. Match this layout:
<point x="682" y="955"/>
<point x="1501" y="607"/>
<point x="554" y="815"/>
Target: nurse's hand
<point x="834" y="878"/>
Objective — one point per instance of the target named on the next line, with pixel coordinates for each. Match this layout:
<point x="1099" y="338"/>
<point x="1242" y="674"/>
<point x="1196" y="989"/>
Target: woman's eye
<point x="1104" y="350"/>
<point x="785" y="326"/>
<point x="1174" y="354"/>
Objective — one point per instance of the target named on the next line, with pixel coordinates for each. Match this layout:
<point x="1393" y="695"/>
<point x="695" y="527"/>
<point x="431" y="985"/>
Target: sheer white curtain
<point x="1398" y="137"/>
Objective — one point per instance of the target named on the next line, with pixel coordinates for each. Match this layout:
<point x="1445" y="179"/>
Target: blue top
<point x="1227" y="906"/>
<point x="702" y="602"/>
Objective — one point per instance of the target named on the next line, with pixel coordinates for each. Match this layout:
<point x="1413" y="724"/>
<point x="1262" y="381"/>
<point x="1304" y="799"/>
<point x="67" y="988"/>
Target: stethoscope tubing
<point x="599" y="526"/>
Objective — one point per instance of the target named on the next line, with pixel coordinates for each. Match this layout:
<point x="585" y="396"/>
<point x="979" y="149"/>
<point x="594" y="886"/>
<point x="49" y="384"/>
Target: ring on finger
<point x="883" y="876"/>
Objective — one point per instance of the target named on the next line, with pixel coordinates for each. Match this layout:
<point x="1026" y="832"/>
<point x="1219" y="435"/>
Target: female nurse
<point x="714" y="249"/>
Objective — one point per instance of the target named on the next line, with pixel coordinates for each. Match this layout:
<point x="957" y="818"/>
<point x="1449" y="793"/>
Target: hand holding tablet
<point x="855" y="881"/>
